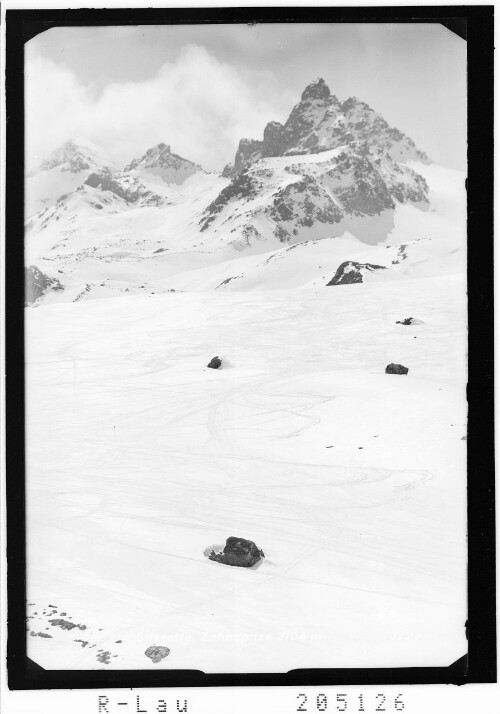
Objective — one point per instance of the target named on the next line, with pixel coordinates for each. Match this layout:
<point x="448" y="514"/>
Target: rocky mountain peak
<point x="161" y="161"/>
<point x="75" y="156"/>
<point x="316" y="90"/>
<point x="160" y="150"/>
<point x="320" y="122"/>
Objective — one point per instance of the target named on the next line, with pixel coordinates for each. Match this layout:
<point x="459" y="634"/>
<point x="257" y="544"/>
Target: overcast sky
<point x="202" y="88"/>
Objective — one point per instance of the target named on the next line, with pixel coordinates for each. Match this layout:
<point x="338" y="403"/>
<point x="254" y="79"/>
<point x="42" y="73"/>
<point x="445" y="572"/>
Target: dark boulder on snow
<point x="214" y="363"/>
<point x="238" y="551"/>
<point x="396" y="369"/>
<point x="156" y="653"/>
<point x="409" y="321"/>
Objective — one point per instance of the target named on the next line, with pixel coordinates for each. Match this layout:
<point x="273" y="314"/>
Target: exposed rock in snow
<point x="227" y="171"/>
<point x="130" y="189"/>
<point x="243" y="187"/>
<point x="214" y="363"/>
<point x="352" y="272"/>
<point x="37" y="284"/>
<point x="66" y="624"/>
<point x="156" y="653"/>
<point x="292" y="196"/>
<point x="409" y="321"/>
<point x="396" y="369"/>
<point x="239" y="552"/>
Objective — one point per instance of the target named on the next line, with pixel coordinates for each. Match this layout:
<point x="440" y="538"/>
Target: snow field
<point x="353" y="482"/>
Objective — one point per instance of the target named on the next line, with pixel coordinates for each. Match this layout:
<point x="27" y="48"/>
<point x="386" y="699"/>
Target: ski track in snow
<point x="140" y="457"/>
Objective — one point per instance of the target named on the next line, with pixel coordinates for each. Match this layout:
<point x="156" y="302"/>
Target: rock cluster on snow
<point x="66" y="624"/>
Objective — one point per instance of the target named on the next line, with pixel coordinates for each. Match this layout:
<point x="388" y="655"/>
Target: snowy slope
<point x="99" y="244"/>
<point x="420" y="244"/>
<point x="351" y="481"/>
<point x="281" y="269"/>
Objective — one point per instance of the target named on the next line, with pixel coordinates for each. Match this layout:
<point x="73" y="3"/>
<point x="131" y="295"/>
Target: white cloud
<point x="197" y="104"/>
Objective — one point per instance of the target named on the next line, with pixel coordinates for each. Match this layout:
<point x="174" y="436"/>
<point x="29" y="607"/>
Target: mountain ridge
<point x="163" y="216"/>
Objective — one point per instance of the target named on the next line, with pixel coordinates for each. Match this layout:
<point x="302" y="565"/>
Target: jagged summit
<point x="320" y="122"/>
<point x="160" y="161"/>
<point x="316" y="90"/>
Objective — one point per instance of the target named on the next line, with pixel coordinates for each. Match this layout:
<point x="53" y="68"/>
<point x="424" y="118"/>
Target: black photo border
<point x="473" y="22"/>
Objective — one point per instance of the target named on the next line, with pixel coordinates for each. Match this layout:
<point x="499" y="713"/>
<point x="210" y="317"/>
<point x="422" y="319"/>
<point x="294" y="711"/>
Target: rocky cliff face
<point x="320" y="122"/>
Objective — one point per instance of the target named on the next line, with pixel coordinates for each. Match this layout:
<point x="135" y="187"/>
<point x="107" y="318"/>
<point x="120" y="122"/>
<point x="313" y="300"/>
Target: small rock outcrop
<point x="214" y="363"/>
<point x="396" y="369"/>
<point x="239" y="552"/>
<point x="351" y="272"/>
<point x="409" y="321"/>
<point x="37" y="284"/>
<point x="156" y="653"/>
<point x="105" y="182"/>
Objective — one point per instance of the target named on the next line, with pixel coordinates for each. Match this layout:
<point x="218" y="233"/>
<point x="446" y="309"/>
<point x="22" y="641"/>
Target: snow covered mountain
<point x="160" y="161"/>
<point x="62" y="172"/>
<point x="335" y="170"/>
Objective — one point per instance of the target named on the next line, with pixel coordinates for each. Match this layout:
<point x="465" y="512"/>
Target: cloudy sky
<point x="202" y="88"/>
